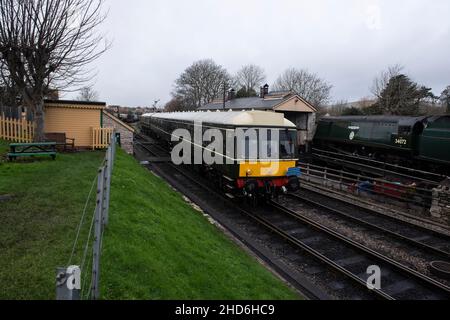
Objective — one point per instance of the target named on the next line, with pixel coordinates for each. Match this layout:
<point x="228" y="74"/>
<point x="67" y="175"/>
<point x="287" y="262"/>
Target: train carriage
<point x="241" y="171"/>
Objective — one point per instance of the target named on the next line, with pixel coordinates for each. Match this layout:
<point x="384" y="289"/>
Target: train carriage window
<point x="404" y="130"/>
<point x="265" y="144"/>
<point x="287" y="144"/>
<point x="251" y="148"/>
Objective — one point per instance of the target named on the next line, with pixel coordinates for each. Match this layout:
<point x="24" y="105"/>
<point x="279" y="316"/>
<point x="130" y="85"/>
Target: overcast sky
<point x="346" y="42"/>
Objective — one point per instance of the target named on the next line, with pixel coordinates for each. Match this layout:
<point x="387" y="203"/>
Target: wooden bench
<point x="18" y="150"/>
<point x="61" y="140"/>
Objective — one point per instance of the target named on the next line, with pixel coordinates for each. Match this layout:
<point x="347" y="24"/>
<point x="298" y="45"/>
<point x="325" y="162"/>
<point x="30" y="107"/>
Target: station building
<point x="293" y="106"/>
<point x="86" y="122"/>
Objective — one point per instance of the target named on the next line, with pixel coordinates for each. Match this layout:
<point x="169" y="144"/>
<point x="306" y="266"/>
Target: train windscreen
<point x="287" y="144"/>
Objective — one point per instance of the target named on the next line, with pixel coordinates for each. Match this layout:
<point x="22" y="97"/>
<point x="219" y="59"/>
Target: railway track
<point x="381" y="209"/>
<point x="399" y="282"/>
<point x="192" y="188"/>
<point x="333" y="252"/>
<point x="420" y="237"/>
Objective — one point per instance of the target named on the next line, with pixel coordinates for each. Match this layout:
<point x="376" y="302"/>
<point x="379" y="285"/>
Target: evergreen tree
<point x="401" y="96"/>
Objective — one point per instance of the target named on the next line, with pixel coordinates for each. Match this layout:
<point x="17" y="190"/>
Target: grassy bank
<point x="39" y="220"/>
<point x="159" y="247"/>
<point x="156" y="245"/>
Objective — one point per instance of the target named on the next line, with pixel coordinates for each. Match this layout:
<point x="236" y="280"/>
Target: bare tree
<point x="381" y="81"/>
<point x="88" y="94"/>
<point x="47" y="44"/>
<point x="201" y="83"/>
<point x="8" y="93"/>
<point x="308" y="85"/>
<point x="249" y="78"/>
<point x="173" y="105"/>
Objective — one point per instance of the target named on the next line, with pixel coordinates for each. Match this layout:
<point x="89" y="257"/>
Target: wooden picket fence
<point x="17" y="130"/>
<point x="101" y="137"/>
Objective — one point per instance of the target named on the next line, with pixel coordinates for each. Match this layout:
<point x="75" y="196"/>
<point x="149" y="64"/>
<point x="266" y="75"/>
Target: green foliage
<point x="352" y="111"/>
<point x="373" y="110"/>
<point x="246" y="93"/>
<point x="402" y="96"/>
<point x="445" y="98"/>
<point x="158" y="247"/>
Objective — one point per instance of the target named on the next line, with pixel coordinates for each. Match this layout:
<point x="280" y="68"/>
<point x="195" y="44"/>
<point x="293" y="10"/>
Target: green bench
<point x="18" y="150"/>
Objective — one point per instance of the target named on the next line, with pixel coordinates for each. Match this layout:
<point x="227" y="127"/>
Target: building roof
<point x="271" y="102"/>
<point x="228" y="118"/>
<point x="118" y="121"/>
<point x="75" y="104"/>
<point x="243" y="103"/>
<point x="400" y="120"/>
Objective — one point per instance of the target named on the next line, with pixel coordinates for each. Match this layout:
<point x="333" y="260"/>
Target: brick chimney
<point x="264" y="91"/>
<point x="231" y="94"/>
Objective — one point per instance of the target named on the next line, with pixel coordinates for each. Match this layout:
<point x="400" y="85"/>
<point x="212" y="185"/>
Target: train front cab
<point x="270" y="177"/>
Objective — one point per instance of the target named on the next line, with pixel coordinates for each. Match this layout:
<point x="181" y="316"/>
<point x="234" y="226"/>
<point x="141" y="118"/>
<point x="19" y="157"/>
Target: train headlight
<point x="249" y="172"/>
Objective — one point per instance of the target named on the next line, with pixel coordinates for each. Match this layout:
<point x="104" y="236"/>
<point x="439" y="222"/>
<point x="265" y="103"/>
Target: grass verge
<point x="39" y="220"/>
<point x="158" y="247"/>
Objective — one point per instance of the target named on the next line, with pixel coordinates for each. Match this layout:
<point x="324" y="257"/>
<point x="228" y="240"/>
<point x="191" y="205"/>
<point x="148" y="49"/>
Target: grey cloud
<point x="346" y="42"/>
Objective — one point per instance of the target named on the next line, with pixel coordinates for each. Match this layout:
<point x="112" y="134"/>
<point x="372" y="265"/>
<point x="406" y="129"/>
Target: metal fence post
<point x="95" y="290"/>
<point x="114" y="146"/>
<point x="107" y="185"/>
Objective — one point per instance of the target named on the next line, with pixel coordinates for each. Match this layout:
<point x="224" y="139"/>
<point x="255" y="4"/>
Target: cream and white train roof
<point x="228" y="118"/>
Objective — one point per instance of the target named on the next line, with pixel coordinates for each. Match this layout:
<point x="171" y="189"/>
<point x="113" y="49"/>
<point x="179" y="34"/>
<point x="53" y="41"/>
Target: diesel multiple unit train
<point x="414" y="142"/>
<point x="240" y="172"/>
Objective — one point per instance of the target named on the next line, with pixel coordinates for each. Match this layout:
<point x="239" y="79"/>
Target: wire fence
<point x="82" y="281"/>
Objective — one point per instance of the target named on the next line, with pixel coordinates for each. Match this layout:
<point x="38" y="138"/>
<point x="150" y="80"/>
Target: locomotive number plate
<point x="402" y="142"/>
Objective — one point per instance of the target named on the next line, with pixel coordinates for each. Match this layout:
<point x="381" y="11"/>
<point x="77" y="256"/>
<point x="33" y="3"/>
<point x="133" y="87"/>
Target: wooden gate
<point x="17" y="130"/>
<point x="101" y="137"/>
